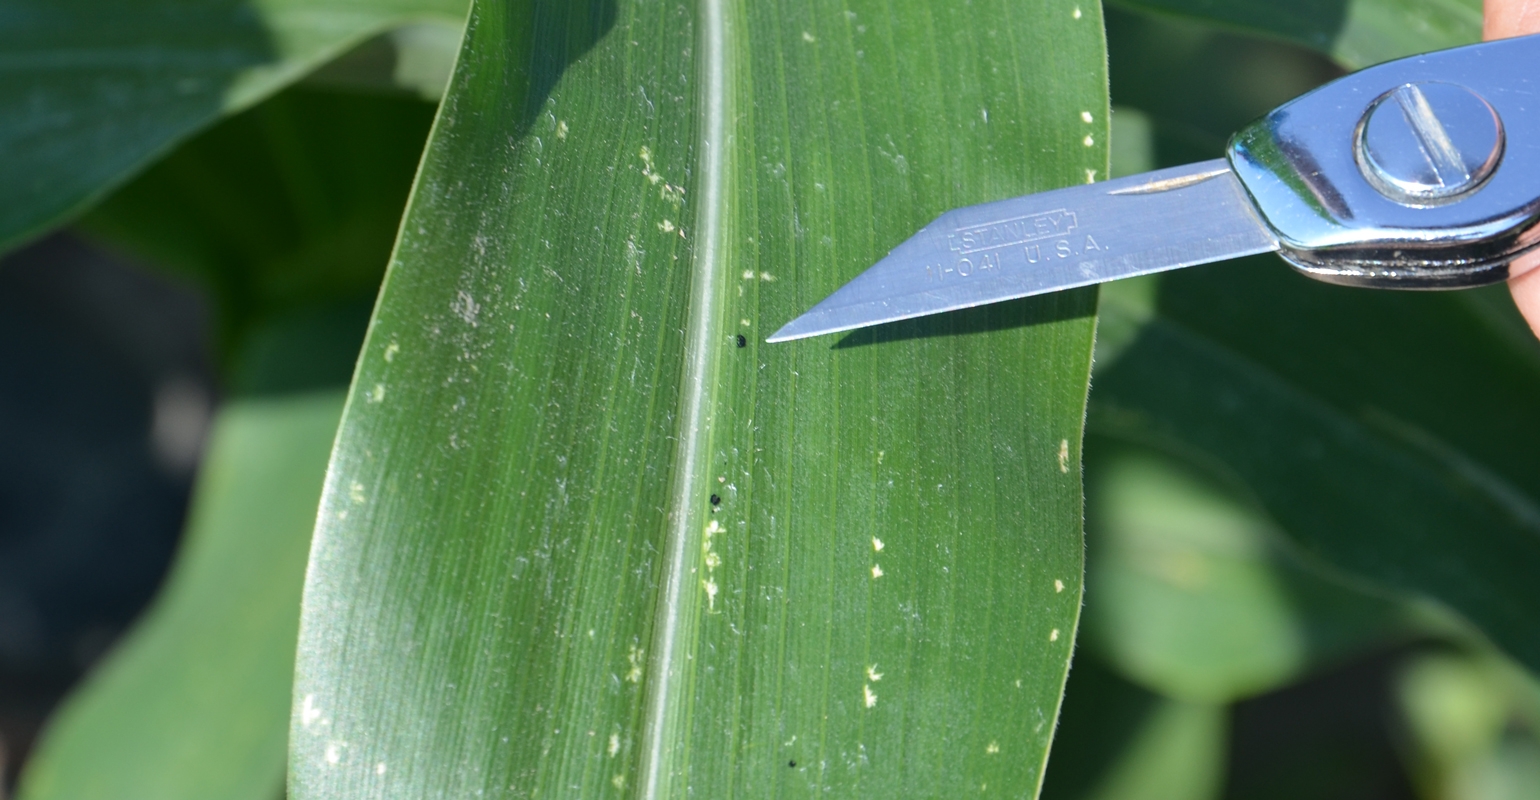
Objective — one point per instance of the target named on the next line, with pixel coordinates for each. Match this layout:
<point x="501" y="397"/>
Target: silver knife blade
<point x="1049" y="241"/>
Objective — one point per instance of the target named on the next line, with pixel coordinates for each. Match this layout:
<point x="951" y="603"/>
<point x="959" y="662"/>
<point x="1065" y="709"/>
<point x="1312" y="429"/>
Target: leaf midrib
<point x="667" y="674"/>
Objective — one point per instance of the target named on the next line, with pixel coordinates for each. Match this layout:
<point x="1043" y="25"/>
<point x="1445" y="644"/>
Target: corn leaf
<point x="585" y="534"/>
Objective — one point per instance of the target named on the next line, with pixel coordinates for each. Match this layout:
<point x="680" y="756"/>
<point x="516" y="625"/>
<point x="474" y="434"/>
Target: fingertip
<point x="1504" y="18"/>
<point x="1526" y="295"/>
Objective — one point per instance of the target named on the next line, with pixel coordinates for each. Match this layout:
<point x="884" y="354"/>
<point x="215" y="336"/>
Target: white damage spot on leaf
<point x="1058" y="585"/>
<point x="668" y="191"/>
<point x="1053" y="635"/>
<point x="992" y="748"/>
<point x="876" y="571"/>
<point x="1090" y="176"/>
<point x="808" y="37"/>
<point x="309" y="712"/>
<point x="712" y="559"/>
<point x="877" y="544"/>
<point x="868" y="695"/>
<point x="390" y="352"/>
<point x="377" y="394"/>
<point x="619" y="781"/>
<point x="1076" y="12"/>
<point x="634" y="675"/>
<point x="1085" y="116"/>
<point x="379" y="769"/>
<point x="872" y="674"/>
<point x="614" y="745"/>
<point x="646" y="156"/>
<point x="561" y="129"/>
<point x="667" y="226"/>
<point x="356" y="492"/>
<point x="1064" y="455"/>
<point x="710" y="586"/>
<point x="1089" y="141"/>
<point x="334" y="751"/>
<point x="465" y="307"/>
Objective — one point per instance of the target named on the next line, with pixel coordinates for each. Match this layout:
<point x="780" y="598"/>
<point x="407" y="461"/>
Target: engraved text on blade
<point x="1017" y="242"/>
<point x="1016" y="230"/>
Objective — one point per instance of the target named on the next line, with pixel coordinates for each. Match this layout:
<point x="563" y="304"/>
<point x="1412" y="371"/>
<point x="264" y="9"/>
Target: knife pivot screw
<point x="1429" y="143"/>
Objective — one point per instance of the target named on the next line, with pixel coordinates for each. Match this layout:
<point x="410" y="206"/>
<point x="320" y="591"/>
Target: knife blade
<point x="1421" y="173"/>
<point x="1047" y="242"/>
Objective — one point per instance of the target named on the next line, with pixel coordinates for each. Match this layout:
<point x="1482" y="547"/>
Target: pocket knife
<point x="1421" y="173"/>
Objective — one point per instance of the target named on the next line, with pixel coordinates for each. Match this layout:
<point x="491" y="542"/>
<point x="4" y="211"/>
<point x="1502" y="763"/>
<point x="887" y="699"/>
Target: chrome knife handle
<point x="1422" y="173"/>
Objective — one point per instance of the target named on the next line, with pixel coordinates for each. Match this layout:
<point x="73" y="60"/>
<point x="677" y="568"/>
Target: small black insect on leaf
<point x="743" y="341"/>
<point x="716" y="500"/>
<point x="791" y="764"/>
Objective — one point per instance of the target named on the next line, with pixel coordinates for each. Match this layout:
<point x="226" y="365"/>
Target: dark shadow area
<point x="1331" y="736"/>
<point x="285" y="215"/>
<point x="1101" y="716"/>
<point x="1313" y="23"/>
<point x="414" y="60"/>
<point x="980" y="319"/>
<point x="105" y="395"/>
<point x="560" y="33"/>
<point x="1430" y="359"/>
<point x="1199" y="84"/>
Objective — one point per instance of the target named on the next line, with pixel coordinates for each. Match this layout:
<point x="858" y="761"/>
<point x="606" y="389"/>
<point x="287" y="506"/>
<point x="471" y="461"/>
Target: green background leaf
<point x="1379" y="430"/>
<point x="521" y="582"/>
<point x="93" y="90"/>
<point x="1354" y="450"/>
<point x="1188" y="593"/>
<point x="193" y="704"/>
<point x="284" y="216"/>
<point x="1118" y="741"/>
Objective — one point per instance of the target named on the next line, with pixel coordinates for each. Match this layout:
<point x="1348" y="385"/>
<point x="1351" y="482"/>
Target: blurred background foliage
<point x="230" y="284"/>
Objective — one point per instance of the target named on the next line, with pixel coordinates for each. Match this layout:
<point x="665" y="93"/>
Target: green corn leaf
<point x="1356" y="33"/>
<point x="585" y="534"/>
<point x="192" y="706"/>
<point x="91" y="91"/>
